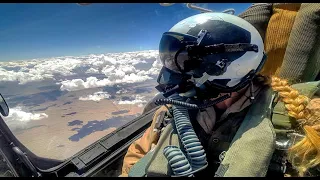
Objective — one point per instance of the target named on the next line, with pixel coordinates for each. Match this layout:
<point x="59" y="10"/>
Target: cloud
<point x="78" y="84"/>
<point x="122" y="91"/>
<point x="18" y="119"/>
<point x="137" y="99"/>
<point x="93" y="82"/>
<point x="111" y="68"/>
<point x="97" y="96"/>
<point x="92" y="71"/>
<point x="38" y="70"/>
<point x="22" y="77"/>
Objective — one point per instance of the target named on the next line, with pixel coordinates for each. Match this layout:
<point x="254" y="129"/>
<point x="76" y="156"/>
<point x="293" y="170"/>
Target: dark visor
<point x="169" y="78"/>
<point x="170" y="44"/>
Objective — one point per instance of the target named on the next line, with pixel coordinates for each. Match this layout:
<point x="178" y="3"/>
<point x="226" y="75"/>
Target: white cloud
<point x="40" y="70"/>
<point x="57" y="66"/>
<point x="137" y="99"/>
<point x="93" y="71"/>
<point x="22" y="77"/>
<point x="118" y="68"/>
<point x="78" y="84"/>
<point x="18" y="119"/>
<point x="97" y="96"/>
<point x="121" y="91"/>
<point x="133" y="78"/>
<point x="93" y="82"/>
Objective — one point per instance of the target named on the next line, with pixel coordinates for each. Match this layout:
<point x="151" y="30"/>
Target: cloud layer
<point x="114" y="68"/>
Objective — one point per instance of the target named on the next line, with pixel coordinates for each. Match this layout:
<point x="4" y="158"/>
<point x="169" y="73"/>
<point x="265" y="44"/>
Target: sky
<point x="34" y="30"/>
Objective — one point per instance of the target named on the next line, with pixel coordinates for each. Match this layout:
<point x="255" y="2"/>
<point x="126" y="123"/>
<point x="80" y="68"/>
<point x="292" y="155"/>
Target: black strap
<point x="195" y="50"/>
<point x="219" y="141"/>
<point x="278" y="164"/>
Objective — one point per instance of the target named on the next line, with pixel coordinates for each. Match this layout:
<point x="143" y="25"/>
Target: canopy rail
<point x="202" y="10"/>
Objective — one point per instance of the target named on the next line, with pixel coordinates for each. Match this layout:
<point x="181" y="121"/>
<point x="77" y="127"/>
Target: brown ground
<point x="49" y="137"/>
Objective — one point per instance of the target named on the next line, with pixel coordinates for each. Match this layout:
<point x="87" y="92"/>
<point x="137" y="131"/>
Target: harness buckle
<point x="284" y="165"/>
<point x="222" y="155"/>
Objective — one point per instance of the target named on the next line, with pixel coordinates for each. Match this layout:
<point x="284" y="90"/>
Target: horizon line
<point x="40" y="58"/>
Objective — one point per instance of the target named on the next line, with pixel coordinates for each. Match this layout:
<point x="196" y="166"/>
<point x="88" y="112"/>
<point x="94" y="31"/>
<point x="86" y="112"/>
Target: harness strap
<point x="284" y="128"/>
<point x="139" y="169"/>
<point x="248" y="156"/>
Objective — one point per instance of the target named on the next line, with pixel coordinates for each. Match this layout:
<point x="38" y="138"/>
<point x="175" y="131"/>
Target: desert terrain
<point x="56" y="118"/>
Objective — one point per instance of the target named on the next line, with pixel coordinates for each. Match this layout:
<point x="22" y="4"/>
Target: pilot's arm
<point x="143" y="145"/>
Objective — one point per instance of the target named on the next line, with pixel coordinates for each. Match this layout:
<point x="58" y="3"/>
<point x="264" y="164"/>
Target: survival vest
<point x="245" y="144"/>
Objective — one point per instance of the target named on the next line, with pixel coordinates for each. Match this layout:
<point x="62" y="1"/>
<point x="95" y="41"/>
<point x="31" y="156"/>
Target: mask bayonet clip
<point x="201" y="35"/>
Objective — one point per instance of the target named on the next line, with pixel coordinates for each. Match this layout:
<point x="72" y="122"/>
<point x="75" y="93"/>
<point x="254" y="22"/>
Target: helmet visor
<point x="170" y="44"/>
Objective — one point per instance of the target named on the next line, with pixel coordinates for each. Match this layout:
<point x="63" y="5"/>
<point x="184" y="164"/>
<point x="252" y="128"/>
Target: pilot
<point x="220" y="117"/>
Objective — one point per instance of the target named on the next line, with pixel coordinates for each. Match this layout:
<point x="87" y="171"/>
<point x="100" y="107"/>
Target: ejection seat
<point x="291" y="34"/>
